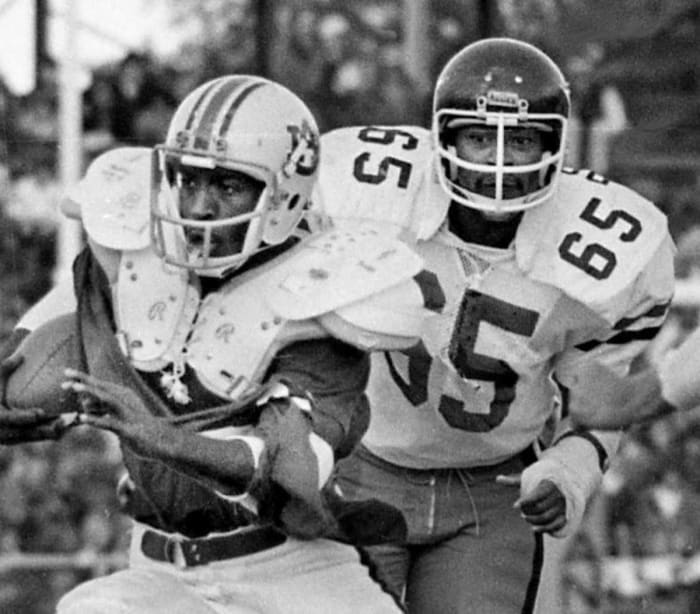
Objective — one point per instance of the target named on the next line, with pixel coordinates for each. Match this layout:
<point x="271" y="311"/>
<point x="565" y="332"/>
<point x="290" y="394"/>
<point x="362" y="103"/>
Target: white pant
<point x="297" y="577"/>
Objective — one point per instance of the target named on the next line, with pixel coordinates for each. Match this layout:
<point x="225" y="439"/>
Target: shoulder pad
<point x="398" y="310"/>
<point x="113" y="199"/>
<point x="338" y="268"/>
<point x="363" y="339"/>
<point x="593" y="240"/>
<point x="382" y="174"/>
<point x="392" y="319"/>
<point x="154" y="307"/>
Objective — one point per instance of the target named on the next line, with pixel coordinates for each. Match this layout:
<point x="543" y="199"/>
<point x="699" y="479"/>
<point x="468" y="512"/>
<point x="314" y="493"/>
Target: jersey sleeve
<point x="598" y="242"/>
<point x="617" y="347"/>
<point x="334" y="375"/>
<point x="378" y="173"/>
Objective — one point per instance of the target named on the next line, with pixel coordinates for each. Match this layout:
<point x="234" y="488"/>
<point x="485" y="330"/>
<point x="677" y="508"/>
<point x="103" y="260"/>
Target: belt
<point x="185" y="552"/>
<point x="514" y="464"/>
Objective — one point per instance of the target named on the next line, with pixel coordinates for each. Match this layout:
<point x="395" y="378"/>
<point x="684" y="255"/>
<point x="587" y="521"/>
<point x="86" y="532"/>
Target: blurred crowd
<point x="62" y="498"/>
<point x="58" y="499"/>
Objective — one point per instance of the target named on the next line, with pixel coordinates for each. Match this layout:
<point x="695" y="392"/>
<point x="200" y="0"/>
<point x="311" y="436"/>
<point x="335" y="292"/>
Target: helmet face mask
<point x="503" y="86"/>
<point x="202" y="245"/>
<point x="233" y="126"/>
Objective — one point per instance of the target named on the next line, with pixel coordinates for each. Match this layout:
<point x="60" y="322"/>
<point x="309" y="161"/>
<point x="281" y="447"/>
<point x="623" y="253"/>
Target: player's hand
<point x="119" y="409"/>
<point x="544" y="507"/>
<point x="24" y="425"/>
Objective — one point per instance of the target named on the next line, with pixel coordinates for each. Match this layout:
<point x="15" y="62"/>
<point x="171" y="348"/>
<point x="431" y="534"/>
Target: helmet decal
<point x="308" y="156"/>
<point x="501" y="99"/>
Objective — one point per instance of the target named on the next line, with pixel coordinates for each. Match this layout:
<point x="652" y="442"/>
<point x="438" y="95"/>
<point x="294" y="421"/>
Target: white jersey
<point x="589" y="274"/>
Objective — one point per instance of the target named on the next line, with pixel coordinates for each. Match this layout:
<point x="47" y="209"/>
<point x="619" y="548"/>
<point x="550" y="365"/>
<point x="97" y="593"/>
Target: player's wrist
<point x="586" y="440"/>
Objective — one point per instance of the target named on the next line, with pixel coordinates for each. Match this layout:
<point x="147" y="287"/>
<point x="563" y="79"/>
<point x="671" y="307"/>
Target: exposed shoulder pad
<point x="380" y="173"/>
<point x="595" y="240"/>
<point x="338" y="268"/>
<point x="113" y="198"/>
<point x="392" y="319"/>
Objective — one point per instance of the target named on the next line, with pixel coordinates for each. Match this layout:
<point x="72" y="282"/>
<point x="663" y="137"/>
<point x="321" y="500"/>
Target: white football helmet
<point x="500" y="83"/>
<point x="250" y="125"/>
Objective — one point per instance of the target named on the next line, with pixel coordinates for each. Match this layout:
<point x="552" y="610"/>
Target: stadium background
<point x="634" y="67"/>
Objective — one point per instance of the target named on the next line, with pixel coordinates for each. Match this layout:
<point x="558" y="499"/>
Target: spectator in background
<point x="400" y="99"/>
<point x="35" y="130"/>
<point x="97" y="113"/>
<point x="129" y="95"/>
<point x="131" y="104"/>
<point x="303" y="60"/>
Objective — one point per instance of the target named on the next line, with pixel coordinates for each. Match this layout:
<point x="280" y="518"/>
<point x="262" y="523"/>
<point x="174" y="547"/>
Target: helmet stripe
<point x="228" y="118"/>
<point x="205" y="127"/>
<point x="200" y="100"/>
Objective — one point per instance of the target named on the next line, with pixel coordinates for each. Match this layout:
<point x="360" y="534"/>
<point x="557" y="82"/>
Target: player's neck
<point x="472" y="227"/>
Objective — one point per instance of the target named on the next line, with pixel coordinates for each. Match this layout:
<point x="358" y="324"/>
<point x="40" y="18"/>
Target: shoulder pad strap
<point x="338" y="268"/>
<point x="113" y="199"/>
<point x="411" y="198"/>
<point x="108" y="259"/>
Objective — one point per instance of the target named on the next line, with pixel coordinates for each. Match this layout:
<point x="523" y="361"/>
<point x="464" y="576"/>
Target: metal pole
<point x="264" y="34"/>
<point x="417" y="57"/>
<point x="40" y="52"/>
<point x="485" y="17"/>
<point x="70" y="151"/>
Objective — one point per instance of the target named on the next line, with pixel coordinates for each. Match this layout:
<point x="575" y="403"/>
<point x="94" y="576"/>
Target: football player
<point x="230" y="359"/>
<point x="531" y="268"/>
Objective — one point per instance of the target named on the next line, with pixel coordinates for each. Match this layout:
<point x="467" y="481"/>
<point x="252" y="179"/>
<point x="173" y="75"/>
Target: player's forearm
<point x="602" y="399"/>
<point x="644" y="400"/>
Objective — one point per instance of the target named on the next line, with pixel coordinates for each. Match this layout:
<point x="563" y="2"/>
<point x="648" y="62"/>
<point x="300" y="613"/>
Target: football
<point x="47" y="351"/>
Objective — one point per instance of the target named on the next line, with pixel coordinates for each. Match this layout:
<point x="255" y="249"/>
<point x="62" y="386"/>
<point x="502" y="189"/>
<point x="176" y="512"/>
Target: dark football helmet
<point x="500" y="83"/>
